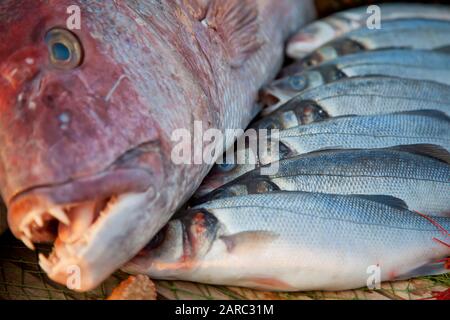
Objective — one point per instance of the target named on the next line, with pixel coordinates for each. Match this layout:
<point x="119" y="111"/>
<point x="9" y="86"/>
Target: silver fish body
<point x="409" y="173"/>
<point x="421" y="34"/>
<point x="359" y="96"/>
<point x="347" y="132"/>
<point x="296" y="241"/>
<point x="322" y="31"/>
<point x="412" y="64"/>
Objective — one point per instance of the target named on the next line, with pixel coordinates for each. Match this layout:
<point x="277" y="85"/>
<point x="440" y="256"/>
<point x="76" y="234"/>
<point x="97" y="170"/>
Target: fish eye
<point x="226" y="167"/>
<point x="297" y="82"/>
<point x="157" y="240"/>
<point x="65" y="50"/>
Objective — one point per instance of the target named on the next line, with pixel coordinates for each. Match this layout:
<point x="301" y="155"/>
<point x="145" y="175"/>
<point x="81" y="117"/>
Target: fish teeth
<point x="45" y="264"/>
<point x="27" y="242"/>
<point x="59" y="214"/>
<point x="39" y="221"/>
<point x="26" y="231"/>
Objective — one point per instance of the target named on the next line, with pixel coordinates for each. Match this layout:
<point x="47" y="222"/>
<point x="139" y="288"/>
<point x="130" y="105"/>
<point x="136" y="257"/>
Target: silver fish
<point x="412" y="64"/>
<point x="297" y="241"/>
<point x="406" y="172"/>
<point x="374" y="131"/>
<point x="405" y="33"/>
<point x="322" y="31"/>
<point x="359" y="96"/>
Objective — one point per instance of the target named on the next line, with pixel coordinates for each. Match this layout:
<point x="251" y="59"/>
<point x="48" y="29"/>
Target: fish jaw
<point x="109" y="242"/>
<point x="94" y="233"/>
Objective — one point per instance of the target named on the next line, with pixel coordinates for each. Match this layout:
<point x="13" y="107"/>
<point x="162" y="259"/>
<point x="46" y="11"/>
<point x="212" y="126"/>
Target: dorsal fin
<point x="445" y="49"/>
<point x="387" y="200"/>
<point x="428" y="113"/>
<point x="236" y="23"/>
<point x="427" y="150"/>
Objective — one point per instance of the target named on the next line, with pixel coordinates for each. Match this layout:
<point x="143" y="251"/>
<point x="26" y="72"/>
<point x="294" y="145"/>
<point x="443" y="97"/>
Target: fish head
<point x="243" y="161"/>
<point x="282" y="90"/>
<point x="179" y="246"/>
<point x="81" y="157"/>
<point x="295" y="112"/>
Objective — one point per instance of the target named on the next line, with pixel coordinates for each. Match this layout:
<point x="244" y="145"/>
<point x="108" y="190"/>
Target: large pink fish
<point x="87" y="115"/>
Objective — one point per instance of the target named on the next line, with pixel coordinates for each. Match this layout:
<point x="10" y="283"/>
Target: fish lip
<point x="22" y="205"/>
<point x="84" y="264"/>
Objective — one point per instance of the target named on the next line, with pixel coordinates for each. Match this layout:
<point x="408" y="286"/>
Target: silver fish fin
<point x="387" y="200"/>
<point x="445" y="49"/>
<point x="429" y="269"/>
<point x="428" y="113"/>
<point x="248" y="240"/>
<point x="236" y="23"/>
<point x="427" y="150"/>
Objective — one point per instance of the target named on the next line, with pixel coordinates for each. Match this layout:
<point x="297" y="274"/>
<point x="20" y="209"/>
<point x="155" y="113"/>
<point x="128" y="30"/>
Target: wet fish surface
<point x="296" y="241"/>
<point x="346" y="132"/>
<point x="411" y="64"/>
<point x="86" y="150"/>
<point x="409" y="173"/>
<point x="359" y="96"/>
<point x="316" y="34"/>
<point x="423" y="34"/>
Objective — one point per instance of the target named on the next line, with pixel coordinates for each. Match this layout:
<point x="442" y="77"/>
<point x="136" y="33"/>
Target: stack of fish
<point x="363" y="180"/>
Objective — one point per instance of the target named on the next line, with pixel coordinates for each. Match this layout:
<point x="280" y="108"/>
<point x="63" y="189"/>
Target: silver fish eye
<point x="226" y="167"/>
<point x="297" y="82"/>
<point x="64" y="48"/>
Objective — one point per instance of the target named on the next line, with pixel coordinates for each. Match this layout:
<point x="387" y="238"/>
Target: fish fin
<point x="387" y="200"/>
<point x="445" y="49"/>
<point x="236" y="23"/>
<point x="425" y="112"/>
<point x="429" y="113"/>
<point x="269" y="284"/>
<point x="429" y="269"/>
<point x="427" y="150"/>
<point x="197" y="8"/>
<point x="248" y="240"/>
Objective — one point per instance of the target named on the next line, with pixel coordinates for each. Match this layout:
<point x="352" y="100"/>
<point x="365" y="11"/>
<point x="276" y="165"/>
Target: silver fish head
<point x="292" y="114"/>
<point x="177" y="247"/>
<point x="282" y="90"/>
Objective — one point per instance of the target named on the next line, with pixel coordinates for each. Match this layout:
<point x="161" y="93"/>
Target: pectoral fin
<point x="248" y="240"/>
<point x="236" y="23"/>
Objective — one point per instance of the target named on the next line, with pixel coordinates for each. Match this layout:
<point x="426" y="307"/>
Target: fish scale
<point x="375" y="95"/>
<point x="395" y="172"/>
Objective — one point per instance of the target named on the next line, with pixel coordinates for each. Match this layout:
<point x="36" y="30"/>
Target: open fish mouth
<point x="88" y="234"/>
